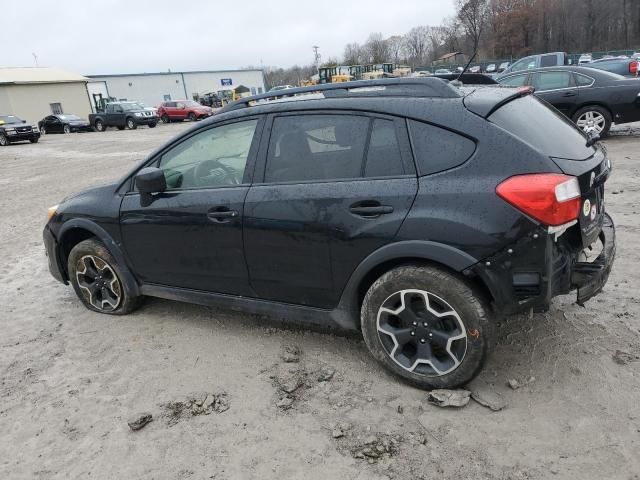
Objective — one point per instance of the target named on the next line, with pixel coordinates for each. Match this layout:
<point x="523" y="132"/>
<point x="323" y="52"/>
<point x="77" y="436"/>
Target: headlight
<point x="51" y="211"/>
<point x="138" y="114"/>
<point x="35" y="129"/>
<point x="10" y="131"/>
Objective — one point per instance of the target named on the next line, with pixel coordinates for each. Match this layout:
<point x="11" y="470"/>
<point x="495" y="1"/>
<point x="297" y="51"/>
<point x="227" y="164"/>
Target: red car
<point x="183" y="109"/>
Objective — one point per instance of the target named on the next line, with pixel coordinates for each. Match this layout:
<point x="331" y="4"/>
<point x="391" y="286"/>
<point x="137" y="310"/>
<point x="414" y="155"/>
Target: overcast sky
<point x="132" y="36"/>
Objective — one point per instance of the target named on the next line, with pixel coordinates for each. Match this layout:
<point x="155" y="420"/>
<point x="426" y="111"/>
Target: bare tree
<point x="353" y="54"/>
<point x="472" y="15"/>
<point x="377" y="48"/>
<point x="417" y="44"/>
<point x="396" y="45"/>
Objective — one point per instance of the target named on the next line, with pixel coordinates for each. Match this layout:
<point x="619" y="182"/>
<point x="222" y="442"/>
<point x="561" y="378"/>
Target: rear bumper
<point x="529" y="273"/>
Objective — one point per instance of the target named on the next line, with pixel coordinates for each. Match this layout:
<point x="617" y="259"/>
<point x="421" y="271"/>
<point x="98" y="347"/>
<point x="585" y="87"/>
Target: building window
<point x="167" y="98"/>
<point x="253" y="90"/>
<point x="56" y="108"/>
<point x="259" y="90"/>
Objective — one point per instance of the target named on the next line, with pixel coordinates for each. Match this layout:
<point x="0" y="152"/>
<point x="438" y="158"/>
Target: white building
<point x="34" y="93"/>
<point x="154" y="88"/>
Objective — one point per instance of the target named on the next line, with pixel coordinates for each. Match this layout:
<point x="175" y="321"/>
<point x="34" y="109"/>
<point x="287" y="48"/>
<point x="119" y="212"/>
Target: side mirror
<point x="151" y="180"/>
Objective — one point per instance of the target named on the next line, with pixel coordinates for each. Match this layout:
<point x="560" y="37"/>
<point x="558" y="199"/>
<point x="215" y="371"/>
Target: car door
<point x="180" y="110"/>
<point x="190" y="236"/>
<point x="53" y="124"/>
<point x="333" y="187"/>
<point x="557" y="88"/>
<point x="170" y="109"/>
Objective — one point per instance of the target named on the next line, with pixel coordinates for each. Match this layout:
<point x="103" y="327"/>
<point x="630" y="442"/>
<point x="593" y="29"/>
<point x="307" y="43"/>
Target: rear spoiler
<point x="485" y="101"/>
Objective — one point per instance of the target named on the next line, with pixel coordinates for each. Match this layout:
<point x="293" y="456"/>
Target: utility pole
<point x="35" y="57"/>
<point x="316" y="55"/>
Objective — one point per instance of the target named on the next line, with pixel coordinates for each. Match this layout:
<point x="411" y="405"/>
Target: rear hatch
<point x="552" y="134"/>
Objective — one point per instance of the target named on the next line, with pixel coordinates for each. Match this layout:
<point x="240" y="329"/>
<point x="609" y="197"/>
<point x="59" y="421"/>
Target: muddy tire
<point x="99" y="126"/>
<point x="426" y="325"/>
<point x="97" y="279"/>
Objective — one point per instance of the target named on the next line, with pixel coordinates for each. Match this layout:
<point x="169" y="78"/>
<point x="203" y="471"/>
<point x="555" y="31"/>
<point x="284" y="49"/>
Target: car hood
<point x="97" y="191"/>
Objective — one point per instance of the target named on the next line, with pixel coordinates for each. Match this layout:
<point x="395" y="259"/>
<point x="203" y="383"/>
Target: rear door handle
<point x="221" y="214"/>
<point x="370" y="209"/>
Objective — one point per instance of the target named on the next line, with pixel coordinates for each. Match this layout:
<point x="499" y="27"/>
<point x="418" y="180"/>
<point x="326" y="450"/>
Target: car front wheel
<point x="97" y="279"/>
<point x="192" y="117"/>
<point x="3" y="140"/>
<point x="67" y="129"/>
<point x="131" y="124"/>
<point x="426" y="325"/>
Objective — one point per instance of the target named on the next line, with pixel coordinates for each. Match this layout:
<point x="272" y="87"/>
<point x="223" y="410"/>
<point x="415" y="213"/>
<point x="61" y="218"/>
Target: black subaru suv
<point x="414" y="210"/>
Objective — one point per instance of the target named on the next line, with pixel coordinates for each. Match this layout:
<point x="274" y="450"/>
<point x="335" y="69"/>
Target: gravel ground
<point x="240" y="397"/>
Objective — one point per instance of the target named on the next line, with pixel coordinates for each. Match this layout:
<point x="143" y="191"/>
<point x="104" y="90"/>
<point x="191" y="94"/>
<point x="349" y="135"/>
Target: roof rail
<point x="414" y="86"/>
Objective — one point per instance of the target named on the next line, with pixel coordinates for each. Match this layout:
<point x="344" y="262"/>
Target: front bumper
<point x="538" y="267"/>
<point x="146" y="120"/>
<point x="23" y="137"/>
<point x="51" y="249"/>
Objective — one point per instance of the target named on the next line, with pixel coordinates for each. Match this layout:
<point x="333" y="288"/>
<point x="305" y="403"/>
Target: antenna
<point x="464" y="70"/>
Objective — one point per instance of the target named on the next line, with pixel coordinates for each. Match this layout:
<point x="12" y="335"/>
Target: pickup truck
<point x="627" y="67"/>
<point x="554" y="59"/>
<point x="123" y="115"/>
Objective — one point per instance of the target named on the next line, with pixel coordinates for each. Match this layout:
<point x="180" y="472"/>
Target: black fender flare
<point x="109" y="243"/>
<point x="347" y="313"/>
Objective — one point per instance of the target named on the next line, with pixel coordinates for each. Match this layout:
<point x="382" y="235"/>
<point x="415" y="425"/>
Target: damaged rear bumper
<point x="538" y="267"/>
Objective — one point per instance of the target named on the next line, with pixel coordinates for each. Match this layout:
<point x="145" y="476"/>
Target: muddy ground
<point x="72" y="379"/>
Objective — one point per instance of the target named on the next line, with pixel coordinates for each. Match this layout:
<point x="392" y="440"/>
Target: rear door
<point x="557" y="88"/>
<point x="331" y="188"/>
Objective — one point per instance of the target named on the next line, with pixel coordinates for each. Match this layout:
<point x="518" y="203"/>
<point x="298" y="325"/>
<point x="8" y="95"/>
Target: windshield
<point x="69" y="117"/>
<point x="542" y="127"/>
<point x="191" y="103"/>
<point x="129" y="107"/>
<point x="9" y="119"/>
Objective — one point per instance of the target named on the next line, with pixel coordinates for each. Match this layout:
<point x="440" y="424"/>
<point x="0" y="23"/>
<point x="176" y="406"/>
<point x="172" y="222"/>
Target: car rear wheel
<point x="66" y="129"/>
<point x="192" y="117"/>
<point x="152" y="125"/>
<point x="131" y="124"/>
<point x="165" y="118"/>
<point x="99" y="126"/>
<point x="593" y="118"/>
<point x="426" y="325"/>
<point x="3" y="140"/>
<point x="120" y="127"/>
<point x="97" y="279"/>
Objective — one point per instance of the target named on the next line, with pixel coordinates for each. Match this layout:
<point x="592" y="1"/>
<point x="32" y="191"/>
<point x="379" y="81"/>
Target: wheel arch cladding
<point x="78" y="230"/>
<point x="403" y="253"/>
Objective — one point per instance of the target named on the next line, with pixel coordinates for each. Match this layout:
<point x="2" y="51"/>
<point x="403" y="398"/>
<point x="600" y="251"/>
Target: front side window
<point x="515" y="81"/>
<point x="316" y="147"/>
<point x="213" y="158"/>
<point x="551" y="81"/>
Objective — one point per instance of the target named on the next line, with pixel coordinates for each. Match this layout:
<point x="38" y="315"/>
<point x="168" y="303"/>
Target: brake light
<point x="551" y="198"/>
<point x="633" y="67"/>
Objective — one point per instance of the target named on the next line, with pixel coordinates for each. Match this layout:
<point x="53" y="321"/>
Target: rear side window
<point x="436" y="149"/>
<point x="383" y="157"/>
<point x="583" y="80"/>
<point x="551" y="80"/>
<point x="316" y="147"/>
<point x="542" y="127"/>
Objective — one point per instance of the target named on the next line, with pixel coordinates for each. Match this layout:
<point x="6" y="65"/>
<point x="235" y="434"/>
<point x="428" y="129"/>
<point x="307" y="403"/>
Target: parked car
<point x="503" y="66"/>
<point x="585" y="58"/>
<point x="491" y="68"/>
<point x="183" y="110"/>
<point x="469" y="78"/>
<point x="14" y="129"/>
<point x="475" y="69"/>
<point x="627" y="67"/>
<point x="123" y="115"/>
<point x="421" y="220"/>
<point x="63" y="123"/>
<point x="537" y="61"/>
<point x="593" y="99"/>
<point x="442" y="71"/>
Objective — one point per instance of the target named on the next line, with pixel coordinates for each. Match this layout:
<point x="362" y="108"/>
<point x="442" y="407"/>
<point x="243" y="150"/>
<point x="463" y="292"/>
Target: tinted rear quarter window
<point x="383" y="157"/>
<point x="543" y="128"/>
<point x="436" y="149"/>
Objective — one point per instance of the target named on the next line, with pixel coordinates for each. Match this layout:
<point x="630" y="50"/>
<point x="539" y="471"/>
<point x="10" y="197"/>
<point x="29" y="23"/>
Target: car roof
<point x="586" y="70"/>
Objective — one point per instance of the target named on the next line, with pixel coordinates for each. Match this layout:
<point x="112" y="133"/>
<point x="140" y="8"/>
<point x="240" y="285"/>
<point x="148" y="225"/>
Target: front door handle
<point x="570" y="94"/>
<point x="221" y="214"/>
<point x="370" y="209"/>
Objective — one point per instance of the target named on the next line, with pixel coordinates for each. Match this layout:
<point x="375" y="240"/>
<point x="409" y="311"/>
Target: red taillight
<point x="633" y="67"/>
<point x="551" y="198"/>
